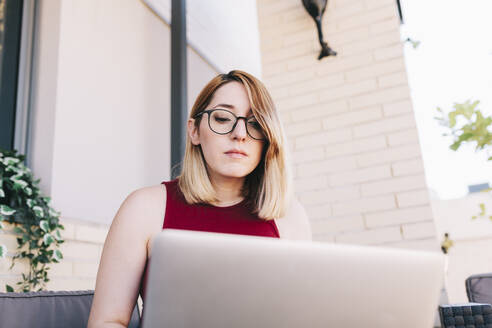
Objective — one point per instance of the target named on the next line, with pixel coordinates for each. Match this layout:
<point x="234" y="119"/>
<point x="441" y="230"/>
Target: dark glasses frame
<point x="210" y="111"/>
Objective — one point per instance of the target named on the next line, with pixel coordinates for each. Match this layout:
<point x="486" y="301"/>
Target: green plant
<point x="34" y="221"/>
<point x="467" y="125"/>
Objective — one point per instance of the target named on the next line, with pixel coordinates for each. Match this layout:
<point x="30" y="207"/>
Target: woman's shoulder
<point x="146" y="206"/>
<point x="148" y="197"/>
<point x="295" y="223"/>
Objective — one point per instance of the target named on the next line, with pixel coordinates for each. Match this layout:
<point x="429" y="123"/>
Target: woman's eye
<point x="255" y="125"/>
<point x="221" y="119"/>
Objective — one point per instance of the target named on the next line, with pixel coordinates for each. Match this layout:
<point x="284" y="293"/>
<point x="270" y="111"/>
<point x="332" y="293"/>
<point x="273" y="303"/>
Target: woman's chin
<point x="234" y="174"/>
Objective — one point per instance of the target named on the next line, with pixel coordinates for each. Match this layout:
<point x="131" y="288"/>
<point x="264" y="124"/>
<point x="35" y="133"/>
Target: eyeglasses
<point x="222" y="121"/>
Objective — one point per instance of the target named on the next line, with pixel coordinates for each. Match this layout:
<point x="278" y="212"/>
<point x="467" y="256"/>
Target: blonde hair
<point x="268" y="186"/>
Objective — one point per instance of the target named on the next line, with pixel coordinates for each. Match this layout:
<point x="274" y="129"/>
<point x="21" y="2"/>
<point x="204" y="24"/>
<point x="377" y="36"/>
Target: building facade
<point x="101" y="98"/>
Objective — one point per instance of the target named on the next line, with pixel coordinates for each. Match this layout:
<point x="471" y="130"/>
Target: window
<point x="10" y="34"/>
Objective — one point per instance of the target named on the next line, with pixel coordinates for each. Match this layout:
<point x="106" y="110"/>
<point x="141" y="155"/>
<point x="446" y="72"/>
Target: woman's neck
<point x="228" y="191"/>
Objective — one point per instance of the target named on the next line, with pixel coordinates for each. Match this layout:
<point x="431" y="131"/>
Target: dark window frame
<point x="400" y="13"/>
<point x="9" y="71"/>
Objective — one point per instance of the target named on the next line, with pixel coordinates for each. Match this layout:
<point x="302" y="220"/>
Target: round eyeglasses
<point x="222" y="121"/>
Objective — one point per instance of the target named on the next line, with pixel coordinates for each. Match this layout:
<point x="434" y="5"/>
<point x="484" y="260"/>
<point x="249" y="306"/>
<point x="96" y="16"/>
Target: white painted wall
<point x="109" y="99"/>
<point x="472" y="250"/>
<point x="224" y="32"/>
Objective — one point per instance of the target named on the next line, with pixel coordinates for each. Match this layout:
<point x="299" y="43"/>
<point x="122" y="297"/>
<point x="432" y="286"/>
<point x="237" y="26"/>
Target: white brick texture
<point x="81" y="254"/>
<point x="326" y="166"/>
<point x="419" y="230"/>
<point x="359" y="146"/>
<point x="393" y="185"/>
<point x="364" y="205"/>
<point x="349" y="120"/>
<point x="408" y="167"/>
<point x="413" y="198"/>
<point x="389" y="155"/>
<point x="403" y="137"/>
<point x="370" y="237"/>
<point x="334" y="225"/>
<point x="360" y="175"/>
<point x="399" y="216"/>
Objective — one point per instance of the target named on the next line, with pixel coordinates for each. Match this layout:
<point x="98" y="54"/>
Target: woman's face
<point x="216" y="148"/>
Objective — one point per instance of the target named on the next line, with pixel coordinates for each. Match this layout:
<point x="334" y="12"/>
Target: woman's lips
<point x="235" y="155"/>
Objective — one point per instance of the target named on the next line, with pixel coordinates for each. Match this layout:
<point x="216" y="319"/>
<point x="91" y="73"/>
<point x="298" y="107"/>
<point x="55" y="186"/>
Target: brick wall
<point x="349" y="121"/>
<point x="76" y="271"/>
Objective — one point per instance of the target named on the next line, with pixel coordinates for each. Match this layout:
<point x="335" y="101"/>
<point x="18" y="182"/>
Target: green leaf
<point x="57" y="255"/>
<point x="30" y="203"/>
<point x="9" y="289"/>
<point x="38" y="211"/>
<point x="466" y="136"/>
<point x="33" y="244"/>
<point x="455" y="145"/>
<point x="31" y="208"/>
<point x="20" y="184"/>
<point x="57" y="235"/>
<point x="482" y="209"/>
<point x="3" y="251"/>
<point x="53" y="213"/>
<point x="48" y="239"/>
<point x="10" y="160"/>
<point x="43" y="224"/>
<point x="5" y="210"/>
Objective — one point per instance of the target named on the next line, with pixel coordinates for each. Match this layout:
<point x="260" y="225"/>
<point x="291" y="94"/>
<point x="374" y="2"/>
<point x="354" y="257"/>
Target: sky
<point x="453" y="63"/>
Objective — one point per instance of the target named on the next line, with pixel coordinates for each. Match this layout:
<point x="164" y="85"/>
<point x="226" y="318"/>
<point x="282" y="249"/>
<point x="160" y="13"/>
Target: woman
<point x="235" y="179"/>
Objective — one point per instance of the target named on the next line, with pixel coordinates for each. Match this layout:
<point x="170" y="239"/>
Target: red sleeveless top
<point x="234" y="219"/>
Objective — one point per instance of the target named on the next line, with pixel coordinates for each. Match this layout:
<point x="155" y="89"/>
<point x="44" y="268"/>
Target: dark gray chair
<point x="53" y="309"/>
<point x="469" y="315"/>
<point x="479" y="288"/>
<point x="478" y="313"/>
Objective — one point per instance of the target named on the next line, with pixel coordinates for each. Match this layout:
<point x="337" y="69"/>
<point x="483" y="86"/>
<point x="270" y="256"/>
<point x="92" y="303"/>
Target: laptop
<point x="215" y="280"/>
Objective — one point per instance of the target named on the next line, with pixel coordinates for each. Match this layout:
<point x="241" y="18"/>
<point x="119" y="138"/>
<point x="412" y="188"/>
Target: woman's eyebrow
<point x="250" y="113"/>
<point x="224" y="105"/>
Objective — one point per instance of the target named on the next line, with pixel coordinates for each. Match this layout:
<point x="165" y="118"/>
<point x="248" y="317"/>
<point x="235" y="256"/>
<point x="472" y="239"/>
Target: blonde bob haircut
<point x="268" y="187"/>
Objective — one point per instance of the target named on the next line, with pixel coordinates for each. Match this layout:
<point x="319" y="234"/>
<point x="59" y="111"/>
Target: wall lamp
<point x="316" y="9"/>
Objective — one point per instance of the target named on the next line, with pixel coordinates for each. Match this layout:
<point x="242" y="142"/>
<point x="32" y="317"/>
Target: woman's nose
<point x="239" y="130"/>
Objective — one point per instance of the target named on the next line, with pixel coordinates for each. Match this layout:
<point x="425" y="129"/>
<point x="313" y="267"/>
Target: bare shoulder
<point x="147" y="206"/>
<point x="295" y="224"/>
<point x="125" y="254"/>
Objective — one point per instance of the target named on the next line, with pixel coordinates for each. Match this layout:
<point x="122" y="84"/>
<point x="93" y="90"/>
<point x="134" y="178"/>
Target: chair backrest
<point x="479" y="288"/>
<point x="50" y="309"/>
<point x="470" y="315"/>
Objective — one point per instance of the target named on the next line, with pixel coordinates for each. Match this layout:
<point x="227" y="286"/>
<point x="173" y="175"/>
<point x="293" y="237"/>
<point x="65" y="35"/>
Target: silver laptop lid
<point x="201" y="279"/>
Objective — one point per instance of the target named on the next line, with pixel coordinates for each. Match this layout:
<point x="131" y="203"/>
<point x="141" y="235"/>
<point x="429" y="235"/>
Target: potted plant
<point x="35" y="222"/>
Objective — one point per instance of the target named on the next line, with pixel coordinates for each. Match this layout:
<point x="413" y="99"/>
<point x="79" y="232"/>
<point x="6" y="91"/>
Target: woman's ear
<point x="193" y="132"/>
